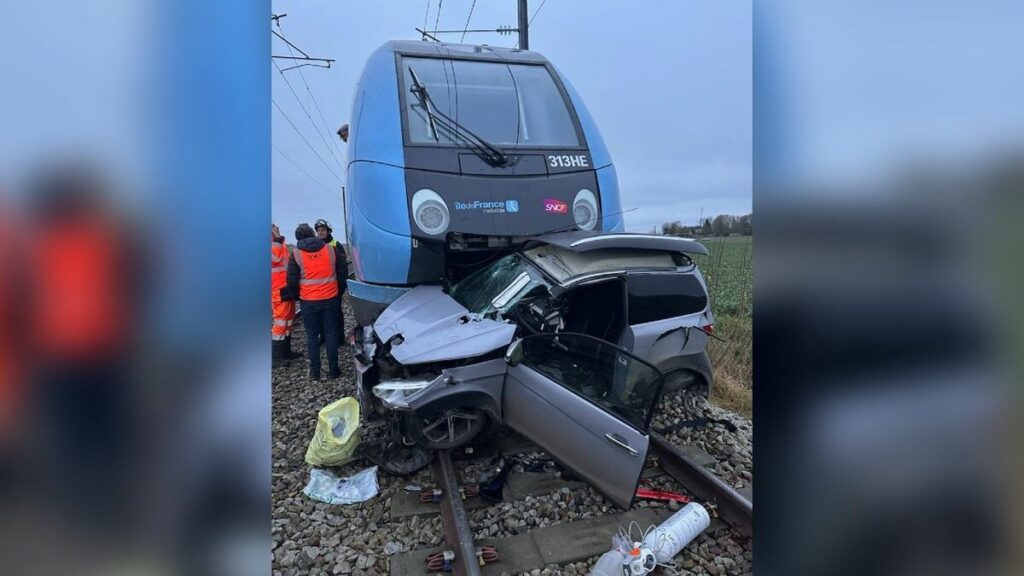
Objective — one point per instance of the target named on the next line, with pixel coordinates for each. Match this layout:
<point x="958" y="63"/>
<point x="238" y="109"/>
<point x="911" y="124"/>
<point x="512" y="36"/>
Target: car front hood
<point x="434" y="327"/>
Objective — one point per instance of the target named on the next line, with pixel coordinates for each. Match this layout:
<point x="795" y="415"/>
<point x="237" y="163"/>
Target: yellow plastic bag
<point x="337" y="434"/>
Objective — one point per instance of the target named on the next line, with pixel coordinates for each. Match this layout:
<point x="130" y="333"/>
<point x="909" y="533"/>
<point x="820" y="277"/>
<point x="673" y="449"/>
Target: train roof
<point x="467" y="51"/>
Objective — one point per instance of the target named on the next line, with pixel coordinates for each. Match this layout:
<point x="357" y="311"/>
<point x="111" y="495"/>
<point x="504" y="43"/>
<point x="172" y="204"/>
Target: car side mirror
<point x="514" y="354"/>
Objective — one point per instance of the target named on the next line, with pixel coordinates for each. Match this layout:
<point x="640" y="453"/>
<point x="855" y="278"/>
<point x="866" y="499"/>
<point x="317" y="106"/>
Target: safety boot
<point x="277" y="355"/>
<point x="288" y="352"/>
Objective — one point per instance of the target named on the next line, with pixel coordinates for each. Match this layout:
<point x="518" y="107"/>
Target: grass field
<point x="728" y="271"/>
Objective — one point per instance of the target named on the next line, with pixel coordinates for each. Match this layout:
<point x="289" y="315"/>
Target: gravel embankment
<point x="733" y="451"/>
<point x="309" y="537"/>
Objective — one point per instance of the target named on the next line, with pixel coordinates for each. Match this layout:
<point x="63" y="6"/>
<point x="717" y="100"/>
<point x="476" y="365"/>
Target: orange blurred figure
<point x="283" y="311"/>
<point x="12" y="368"/>
<point x="82" y="301"/>
<point x="81" y="311"/>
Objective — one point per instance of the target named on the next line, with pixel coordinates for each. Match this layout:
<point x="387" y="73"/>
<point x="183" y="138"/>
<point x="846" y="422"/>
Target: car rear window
<point x="659" y="296"/>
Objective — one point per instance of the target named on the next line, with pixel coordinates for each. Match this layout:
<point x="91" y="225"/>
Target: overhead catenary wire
<point x="316" y="105"/>
<point x="326" y="62"/>
<point x="503" y="30"/>
<point x="323" y="122"/>
<point x="468" y="18"/>
<point x="304" y="171"/>
<point x="542" y="2"/>
<point x="309" y="116"/>
<point x="438" y="17"/>
<point x="310" y="146"/>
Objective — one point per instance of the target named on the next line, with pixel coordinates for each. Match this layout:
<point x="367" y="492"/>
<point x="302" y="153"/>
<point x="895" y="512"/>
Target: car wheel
<point x="685" y="381"/>
<point x="446" y="428"/>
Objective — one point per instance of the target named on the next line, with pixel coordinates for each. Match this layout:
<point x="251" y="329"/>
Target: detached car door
<point x="588" y="403"/>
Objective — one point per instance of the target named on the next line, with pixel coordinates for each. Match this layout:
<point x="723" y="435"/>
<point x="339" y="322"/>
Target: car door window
<point x="599" y="371"/>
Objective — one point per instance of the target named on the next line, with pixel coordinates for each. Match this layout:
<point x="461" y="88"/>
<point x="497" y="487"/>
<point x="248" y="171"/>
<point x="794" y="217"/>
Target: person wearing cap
<point x="315" y="277"/>
<point x="323" y="231"/>
<point x="283" y="311"/>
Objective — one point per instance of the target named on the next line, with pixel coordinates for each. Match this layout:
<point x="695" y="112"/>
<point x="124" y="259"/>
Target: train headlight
<point x="584" y="209"/>
<point x="430" y="212"/>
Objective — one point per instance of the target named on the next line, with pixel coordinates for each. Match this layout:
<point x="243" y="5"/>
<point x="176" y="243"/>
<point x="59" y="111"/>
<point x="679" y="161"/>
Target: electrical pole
<point x="524" y="24"/>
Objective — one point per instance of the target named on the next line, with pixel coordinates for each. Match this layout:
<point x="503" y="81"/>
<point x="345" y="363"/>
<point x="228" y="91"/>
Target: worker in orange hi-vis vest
<point x="283" y="311"/>
<point x="314" y="274"/>
<point x="323" y="232"/>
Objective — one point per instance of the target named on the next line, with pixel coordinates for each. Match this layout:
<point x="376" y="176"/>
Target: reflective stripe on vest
<point x="317" y="278"/>
<point x="278" y="265"/>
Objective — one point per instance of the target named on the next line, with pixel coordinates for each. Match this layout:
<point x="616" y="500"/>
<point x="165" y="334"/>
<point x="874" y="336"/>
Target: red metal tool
<point x="656" y="495"/>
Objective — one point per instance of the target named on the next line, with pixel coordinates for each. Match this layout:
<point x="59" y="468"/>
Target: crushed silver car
<point x="568" y="340"/>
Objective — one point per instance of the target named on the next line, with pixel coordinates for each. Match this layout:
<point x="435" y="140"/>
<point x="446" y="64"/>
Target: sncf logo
<point x="556" y="206"/>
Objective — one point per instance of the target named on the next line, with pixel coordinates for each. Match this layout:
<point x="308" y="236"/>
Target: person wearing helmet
<point x="323" y="231"/>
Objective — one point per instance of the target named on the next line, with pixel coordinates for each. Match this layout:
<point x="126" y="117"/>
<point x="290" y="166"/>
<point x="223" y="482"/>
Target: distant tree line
<point x="721" y="225"/>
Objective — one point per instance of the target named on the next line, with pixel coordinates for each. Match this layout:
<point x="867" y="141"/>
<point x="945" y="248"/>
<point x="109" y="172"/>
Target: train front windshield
<point x="507" y="104"/>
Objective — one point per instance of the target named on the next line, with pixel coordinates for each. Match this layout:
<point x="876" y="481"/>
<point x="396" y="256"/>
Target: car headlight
<point x="393" y="393"/>
<point x="430" y="212"/>
<point x="584" y="209"/>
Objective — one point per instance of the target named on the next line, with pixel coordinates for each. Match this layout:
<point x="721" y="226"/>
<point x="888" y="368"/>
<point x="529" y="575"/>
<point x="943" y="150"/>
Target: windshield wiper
<point x="484" y="149"/>
<point x="421" y="92"/>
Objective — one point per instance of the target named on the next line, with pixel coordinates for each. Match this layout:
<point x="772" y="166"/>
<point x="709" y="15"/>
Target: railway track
<point x="589" y="536"/>
<point x="456" y="523"/>
<point x="731" y="506"/>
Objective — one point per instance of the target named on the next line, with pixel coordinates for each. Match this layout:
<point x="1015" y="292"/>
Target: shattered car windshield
<point x="497" y="287"/>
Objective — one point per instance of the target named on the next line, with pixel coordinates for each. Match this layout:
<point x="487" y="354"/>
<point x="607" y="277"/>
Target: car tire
<point x="685" y="381"/>
<point x="468" y="421"/>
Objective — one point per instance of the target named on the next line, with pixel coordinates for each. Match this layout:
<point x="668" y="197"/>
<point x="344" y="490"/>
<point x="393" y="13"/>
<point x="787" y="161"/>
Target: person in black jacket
<point x="321" y="315"/>
<point x="323" y="232"/>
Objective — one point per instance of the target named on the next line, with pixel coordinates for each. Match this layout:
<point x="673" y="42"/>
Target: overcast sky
<point x="668" y="83"/>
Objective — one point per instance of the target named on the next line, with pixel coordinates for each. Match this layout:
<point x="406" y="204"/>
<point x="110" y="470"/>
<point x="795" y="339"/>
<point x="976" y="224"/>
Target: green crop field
<point x="728" y="270"/>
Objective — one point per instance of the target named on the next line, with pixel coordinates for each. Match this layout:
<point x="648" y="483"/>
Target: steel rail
<point x="456" y="523"/>
<point x="733" y="507"/>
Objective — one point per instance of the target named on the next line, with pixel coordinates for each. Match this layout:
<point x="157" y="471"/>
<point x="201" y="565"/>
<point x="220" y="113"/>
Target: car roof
<point x="582" y="241"/>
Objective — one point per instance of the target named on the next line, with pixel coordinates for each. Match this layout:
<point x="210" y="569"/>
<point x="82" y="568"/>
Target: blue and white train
<point x="458" y="153"/>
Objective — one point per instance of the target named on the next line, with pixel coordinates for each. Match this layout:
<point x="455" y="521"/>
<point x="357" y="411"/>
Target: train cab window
<point x="545" y="119"/>
<point x="506" y="104"/>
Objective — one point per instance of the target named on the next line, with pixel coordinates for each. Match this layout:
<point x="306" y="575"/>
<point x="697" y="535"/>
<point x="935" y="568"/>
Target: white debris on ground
<point x="310" y="537"/>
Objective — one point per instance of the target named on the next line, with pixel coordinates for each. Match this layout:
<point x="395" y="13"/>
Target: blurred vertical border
<point x="889" y="162"/>
<point x="213" y="179"/>
<point x="159" y="111"/>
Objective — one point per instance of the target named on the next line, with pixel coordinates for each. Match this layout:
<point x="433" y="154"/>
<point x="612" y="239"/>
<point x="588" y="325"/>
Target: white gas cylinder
<point x="679" y="530"/>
